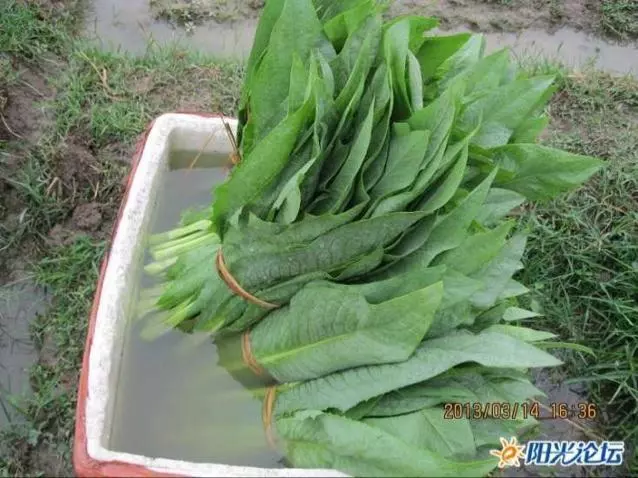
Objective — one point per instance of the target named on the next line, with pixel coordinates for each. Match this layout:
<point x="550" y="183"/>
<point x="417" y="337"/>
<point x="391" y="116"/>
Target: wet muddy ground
<point x="20" y="303"/>
<point x="128" y="24"/>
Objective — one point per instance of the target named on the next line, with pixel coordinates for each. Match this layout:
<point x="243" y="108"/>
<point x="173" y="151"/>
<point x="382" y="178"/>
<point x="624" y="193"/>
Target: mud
<point x="557" y="392"/>
<point x="131" y="24"/>
<point x="192" y="12"/>
<point x="20" y="304"/>
<point x="504" y="15"/>
<point x="22" y="115"/>
<point x="128" y="24"/>
<point x="574" y="49"/>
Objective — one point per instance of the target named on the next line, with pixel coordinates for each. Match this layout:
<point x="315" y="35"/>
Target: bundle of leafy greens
<point x="360" y="255"/>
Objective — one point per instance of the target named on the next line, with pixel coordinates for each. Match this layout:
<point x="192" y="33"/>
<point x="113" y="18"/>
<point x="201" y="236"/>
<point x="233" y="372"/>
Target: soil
<point x="504" y="15"/>
<point x="478" y="15"/>
<point x="22" y="114"/>
<point x="191" y="12"/>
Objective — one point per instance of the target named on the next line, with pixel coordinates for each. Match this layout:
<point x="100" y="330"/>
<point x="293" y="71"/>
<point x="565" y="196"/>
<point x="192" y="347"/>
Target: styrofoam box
<point x="170" y="132"/>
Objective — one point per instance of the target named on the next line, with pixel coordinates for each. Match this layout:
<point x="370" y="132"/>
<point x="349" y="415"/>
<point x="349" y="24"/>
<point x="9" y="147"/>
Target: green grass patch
<point x="31" y="32"/>
<point x="109" y="98"/>
<point x="582" y="261"/>
<point x="620" y="18"/>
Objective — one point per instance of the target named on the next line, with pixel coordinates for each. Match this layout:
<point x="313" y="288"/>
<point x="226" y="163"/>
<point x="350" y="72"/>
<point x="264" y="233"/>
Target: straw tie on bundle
<point x="266" y="415"/>
<point x="246" y="351"/>
<point x="248" y="357"/>
<point x="234" y="286"/>
<point x="269" y="398"/>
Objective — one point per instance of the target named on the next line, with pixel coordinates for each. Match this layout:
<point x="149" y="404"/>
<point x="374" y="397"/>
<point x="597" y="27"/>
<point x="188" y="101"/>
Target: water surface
<point x="173" y="399"/>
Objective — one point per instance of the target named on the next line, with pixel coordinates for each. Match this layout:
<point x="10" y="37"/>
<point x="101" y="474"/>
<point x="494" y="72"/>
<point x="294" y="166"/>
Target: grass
<point x="620" y="18"/>
<point x="582" y="260"/>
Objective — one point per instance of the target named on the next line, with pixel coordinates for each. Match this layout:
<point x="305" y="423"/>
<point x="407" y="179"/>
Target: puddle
<point x="128" y="24"/>
<point x="574" y="49"/>
<point x="560" y="394"/>
<point x="173" y="399"/>
<point x="20" y="303"/>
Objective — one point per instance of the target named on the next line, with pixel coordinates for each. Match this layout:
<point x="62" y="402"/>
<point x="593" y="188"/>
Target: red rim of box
<point x="83" y="464"/>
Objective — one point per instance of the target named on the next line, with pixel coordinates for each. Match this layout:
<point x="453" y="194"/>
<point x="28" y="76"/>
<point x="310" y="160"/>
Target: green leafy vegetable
<point x="360" y="258"/>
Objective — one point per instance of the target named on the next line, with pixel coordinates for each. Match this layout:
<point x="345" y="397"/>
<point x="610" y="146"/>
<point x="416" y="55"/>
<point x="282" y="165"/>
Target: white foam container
<point x="109" y="315"/>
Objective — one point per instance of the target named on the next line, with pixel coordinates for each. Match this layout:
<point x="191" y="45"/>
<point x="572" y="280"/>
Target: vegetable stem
<point x="209" y="239"/>
<point x="181" y="240"/>
<point x="201" y="225"/>
<point x="156" y="268"/>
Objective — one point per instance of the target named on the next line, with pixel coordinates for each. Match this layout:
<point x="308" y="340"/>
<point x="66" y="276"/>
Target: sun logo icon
<point x="509" y="454"/>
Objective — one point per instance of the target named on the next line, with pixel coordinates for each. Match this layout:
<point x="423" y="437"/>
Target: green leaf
<point x="437" y="118"/>
<point x="328" y="252"/>
<point x="267" y="21"/>
<point x="469" y="384"/>
<point x="489" y="432"/>
<point x="363" y="48"/>
<point x="396" y="46"/>
<point x="404" y="158"/>
<point x="521" y="333"/>
<point x="504" y="110"/>
<point x="450" y="230"/>
<point x="476" y="250"/>
<point x="446" y="189"/>
<point x="539" y="172"/>
<point x="566" y="346"/>
<point x="253" y="175"/>
<point x="341" y="330"/>
<point x="484" y="76"/>
<point x="429" y="429"/>
<point x="380" y="291"/>
<point x="497" y="273"/>
<point x="498" y="204"/>
<point x="467" y="55"/>
<point x="358" y="449"/>
<point x="436" y="49"/>
<point x="289" y="200"/>
<point x="430" y="393"/>
<point x="512" y="289"/>
<point x="344" y="390"/>
<point x="361" y="265"/>
<point x="418" y="26"/>
<point x="514" y="313"/>
<point x="298" y="82"/>
<point x="342" y="185"/>
<point x="270" y="83"/>
<point x="530" y="130"/>
<point x="415" y="83"/>
<point x="352" y="14"/>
